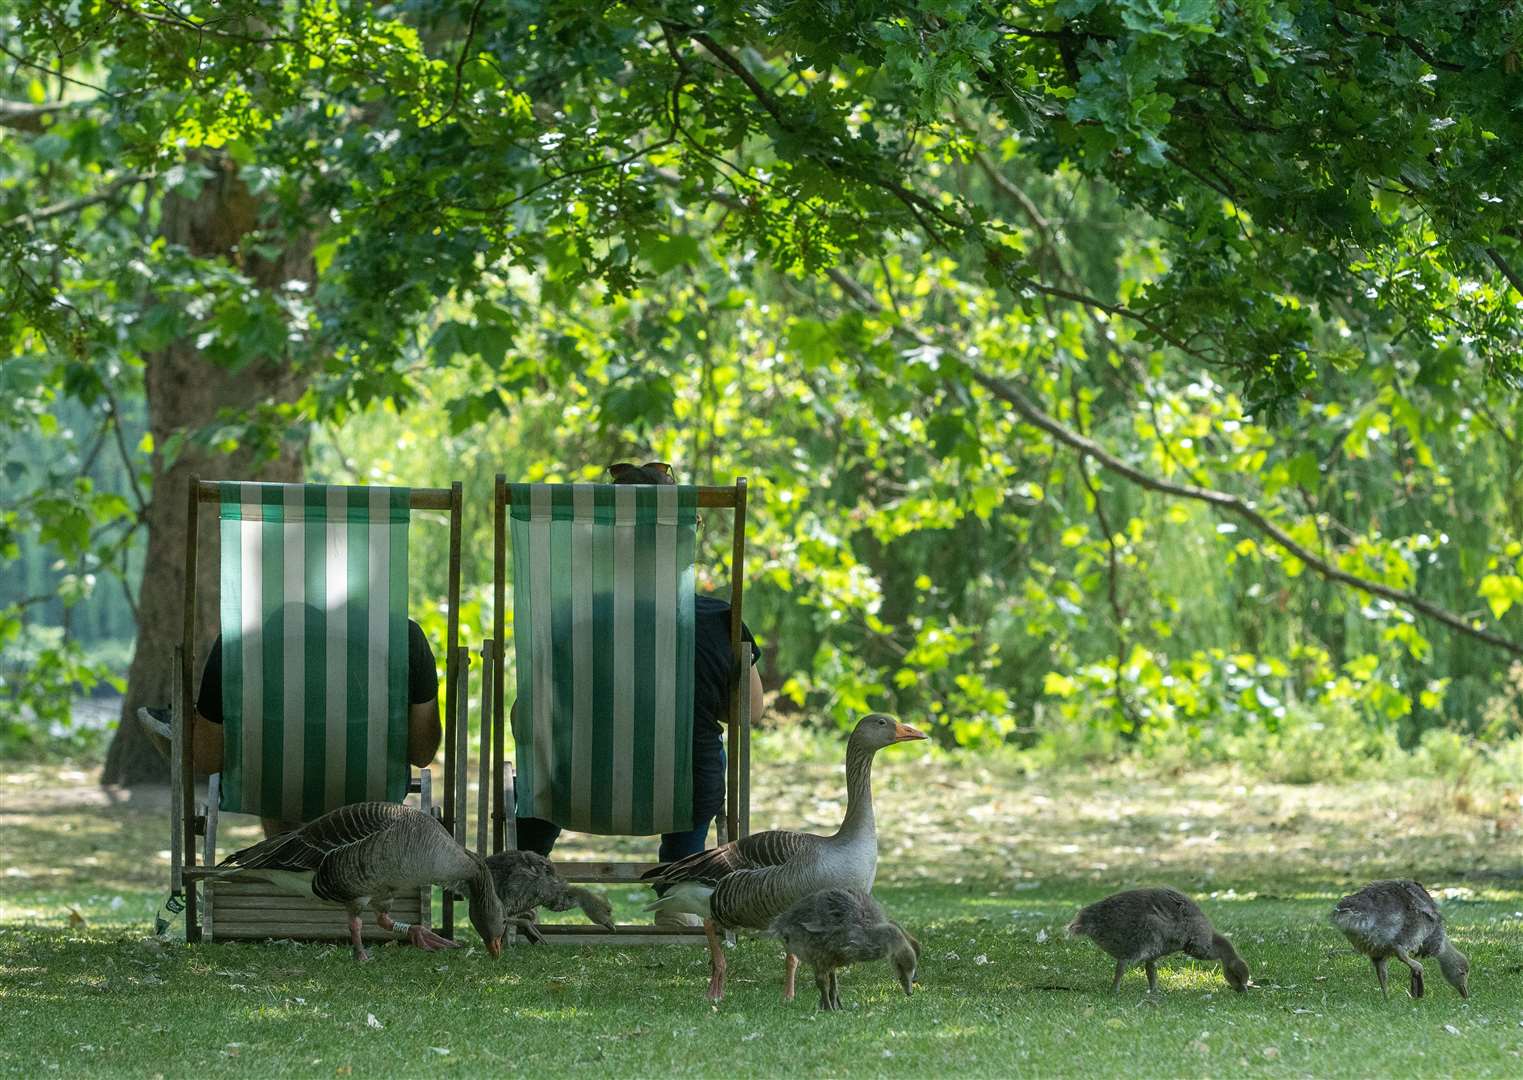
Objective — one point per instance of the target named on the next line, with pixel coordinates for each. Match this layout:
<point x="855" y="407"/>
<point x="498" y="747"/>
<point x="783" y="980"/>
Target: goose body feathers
<point x="363" y="854"/>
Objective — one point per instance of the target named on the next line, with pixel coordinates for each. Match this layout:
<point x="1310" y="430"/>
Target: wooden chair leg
<point x="209" y="848"/>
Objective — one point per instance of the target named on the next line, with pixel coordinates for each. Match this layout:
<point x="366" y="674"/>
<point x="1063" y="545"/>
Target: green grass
<point x="985" y="867"/>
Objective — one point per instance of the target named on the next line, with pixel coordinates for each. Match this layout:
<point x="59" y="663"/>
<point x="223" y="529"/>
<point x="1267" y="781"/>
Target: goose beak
<point x="905" y="733"/>
<point x="494" y="947"/>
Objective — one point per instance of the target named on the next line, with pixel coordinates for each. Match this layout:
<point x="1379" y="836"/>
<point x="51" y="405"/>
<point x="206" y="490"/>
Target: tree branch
<point x="1237" y="507"/>
<point x="1507" y="271"/>
<point x="24" y="116"/>
<point x="73" y="206"/>
<point x="1221" y="500"/>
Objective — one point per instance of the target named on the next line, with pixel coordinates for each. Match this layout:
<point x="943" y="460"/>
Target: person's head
<point x="652" y="472"/>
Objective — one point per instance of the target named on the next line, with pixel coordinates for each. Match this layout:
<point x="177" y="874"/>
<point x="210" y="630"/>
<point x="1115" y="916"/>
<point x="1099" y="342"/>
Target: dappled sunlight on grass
<point x="1001" y="988"/>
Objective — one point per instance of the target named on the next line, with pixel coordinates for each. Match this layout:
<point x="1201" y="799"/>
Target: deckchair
<point x="603" y="639"/>
<point x="313" y="584"/>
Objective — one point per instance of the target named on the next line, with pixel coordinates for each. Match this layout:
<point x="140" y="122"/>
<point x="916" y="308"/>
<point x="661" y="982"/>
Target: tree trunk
<point x="186" y="392"/>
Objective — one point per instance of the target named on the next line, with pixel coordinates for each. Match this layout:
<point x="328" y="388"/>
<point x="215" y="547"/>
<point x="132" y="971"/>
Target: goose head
<point x="877" y="730"/>
<point x="488" y="916"/>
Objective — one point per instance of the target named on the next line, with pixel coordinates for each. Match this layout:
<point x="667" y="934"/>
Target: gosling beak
<point x="905" y="733"/>
<point x="494" y="947"/>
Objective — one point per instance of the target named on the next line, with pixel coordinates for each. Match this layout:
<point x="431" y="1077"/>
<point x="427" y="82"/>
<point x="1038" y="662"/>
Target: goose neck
<point x="859" y="792"/>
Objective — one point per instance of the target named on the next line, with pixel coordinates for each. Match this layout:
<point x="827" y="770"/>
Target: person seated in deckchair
<point x="712" y="667"/>
<point x="424" y="732"/>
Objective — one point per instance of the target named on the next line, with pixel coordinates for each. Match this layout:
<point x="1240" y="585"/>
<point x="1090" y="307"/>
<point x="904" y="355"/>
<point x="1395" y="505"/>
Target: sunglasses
<point x="624" y="468"/>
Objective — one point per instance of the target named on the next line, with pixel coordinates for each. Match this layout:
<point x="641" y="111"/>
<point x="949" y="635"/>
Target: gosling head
<point x="877" y="730"/>
<point x="906" y="960"/>
<point x="1456" y="968"/>
<point x="1233" y="966"/>
<point x="902" y="950"/>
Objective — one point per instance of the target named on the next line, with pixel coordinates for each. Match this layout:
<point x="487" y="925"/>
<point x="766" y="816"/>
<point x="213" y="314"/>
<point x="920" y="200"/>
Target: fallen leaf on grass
<point x="76" y="920"/>
<point x="371" y="1021"/>
<point x="442" y="1051"/>
<point x="1271" y="1052"/>
<point x="1451" y="1029"/>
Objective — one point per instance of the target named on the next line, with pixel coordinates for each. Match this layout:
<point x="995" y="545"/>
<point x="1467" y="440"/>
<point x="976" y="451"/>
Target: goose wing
<point x="775" y="847"/>
<point x="306" y="848"/>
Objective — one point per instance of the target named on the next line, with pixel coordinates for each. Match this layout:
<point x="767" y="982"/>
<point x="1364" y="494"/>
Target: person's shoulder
<point x="709" y="605"/>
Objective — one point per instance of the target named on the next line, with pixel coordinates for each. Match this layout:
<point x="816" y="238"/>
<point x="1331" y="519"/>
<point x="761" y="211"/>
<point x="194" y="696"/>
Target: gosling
<point x="836" y="927"/>
<point x="1141" y="925"/>
<point x="1400" y="919"/>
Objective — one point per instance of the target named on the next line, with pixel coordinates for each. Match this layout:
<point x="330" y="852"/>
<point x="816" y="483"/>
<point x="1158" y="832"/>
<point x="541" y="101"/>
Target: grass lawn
<point x="985" y="866"/>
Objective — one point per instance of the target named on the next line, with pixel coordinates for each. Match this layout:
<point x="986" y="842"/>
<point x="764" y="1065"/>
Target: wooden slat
<point x="631" y="935"/>
<point x="708" y="496"/>
<point x="418" y="499"/>
<point x="250" y="932"/>
<point x="499" y="635"/>
<point x="401" y="908"/>
<point x="602" y="871"/>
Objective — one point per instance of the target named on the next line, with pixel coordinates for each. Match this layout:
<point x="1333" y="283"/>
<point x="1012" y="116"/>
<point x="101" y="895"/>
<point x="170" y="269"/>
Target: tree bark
<point x="184" y="393"/>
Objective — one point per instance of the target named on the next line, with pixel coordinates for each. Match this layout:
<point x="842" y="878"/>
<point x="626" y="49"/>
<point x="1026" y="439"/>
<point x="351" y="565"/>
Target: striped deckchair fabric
<point x="314" y="647"/>
<point x="603" y="631"/>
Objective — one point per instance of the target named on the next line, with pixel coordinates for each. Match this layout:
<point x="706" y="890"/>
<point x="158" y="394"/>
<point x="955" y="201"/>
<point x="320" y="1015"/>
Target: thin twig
<point x="465" y="50"/>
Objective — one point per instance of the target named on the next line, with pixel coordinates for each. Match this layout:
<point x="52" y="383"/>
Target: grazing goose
<point x="748" y="883"/>
<point x="836" y="927"/>
<point x="1400" y="919"/>
<point x="526" y="880"/>
<point x="362" y="855"/>
<point x="1141" y="925"/>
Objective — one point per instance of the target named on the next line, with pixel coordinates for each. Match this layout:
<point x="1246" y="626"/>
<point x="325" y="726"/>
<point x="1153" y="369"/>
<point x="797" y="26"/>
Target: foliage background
<point x="1265" y="249"/>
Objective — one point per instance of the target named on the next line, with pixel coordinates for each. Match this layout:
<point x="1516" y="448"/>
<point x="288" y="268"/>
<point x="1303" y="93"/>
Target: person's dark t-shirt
<point x="422" y="675"/>
<point x="712" y="666"/>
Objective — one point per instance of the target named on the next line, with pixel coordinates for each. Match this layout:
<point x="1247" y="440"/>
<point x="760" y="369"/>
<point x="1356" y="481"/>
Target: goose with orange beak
<point x="746" y="884"/>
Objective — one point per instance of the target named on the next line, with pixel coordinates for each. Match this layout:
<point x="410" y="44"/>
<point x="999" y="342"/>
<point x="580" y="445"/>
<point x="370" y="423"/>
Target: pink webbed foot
<point x="427" y="940"/>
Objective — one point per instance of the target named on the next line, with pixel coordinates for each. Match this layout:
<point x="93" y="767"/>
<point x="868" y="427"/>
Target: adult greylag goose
<point x="362" y="855"/>
<point x="526" y="880"/>
<point x="1400" y="919"/>
<point x="836" y="927"/>
<point x="1141" y="925"/>
<point x="749" y="882"/>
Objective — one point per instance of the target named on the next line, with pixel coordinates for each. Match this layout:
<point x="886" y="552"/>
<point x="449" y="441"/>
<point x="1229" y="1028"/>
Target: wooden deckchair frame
<point x="186" y="824"/>
<point x="736" y="821"/>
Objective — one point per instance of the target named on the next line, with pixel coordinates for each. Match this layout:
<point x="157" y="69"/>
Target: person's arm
<point x="756" y="695"/>
<point x="424" y="732"/>
<point x="205" y="744"/>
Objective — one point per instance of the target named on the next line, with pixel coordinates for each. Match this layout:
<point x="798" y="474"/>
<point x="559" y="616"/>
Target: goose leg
<point x="790" y="973"/>
<point x="822" y="980"/>
<point x="420" y="936"/>
<point x="1380" y="973"/>
<point x="1151" y="967"/>
<point x="1417" y="972"/>
<point x="835" y="988"/>
<point x="1120" y="971"/>
<point x="716" y="962"/>
<point x="355" y="925"/>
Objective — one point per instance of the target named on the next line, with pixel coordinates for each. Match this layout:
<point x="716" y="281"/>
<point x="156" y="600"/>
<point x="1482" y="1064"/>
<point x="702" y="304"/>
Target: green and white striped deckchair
<point x="603" y="630"/>
<point x="313" y="589"/>
<point x="314" y="647"/>
<point x="603" y="636"/>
